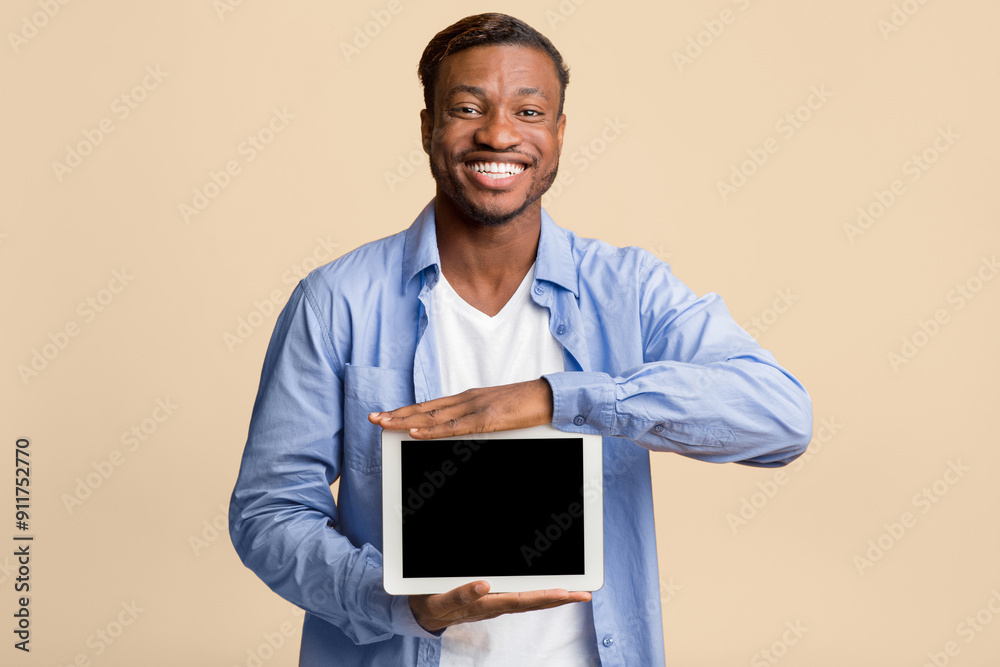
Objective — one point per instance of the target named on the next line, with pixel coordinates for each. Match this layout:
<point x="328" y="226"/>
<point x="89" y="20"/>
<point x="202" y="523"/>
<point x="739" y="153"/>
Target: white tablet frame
<point x="593" y="508"/>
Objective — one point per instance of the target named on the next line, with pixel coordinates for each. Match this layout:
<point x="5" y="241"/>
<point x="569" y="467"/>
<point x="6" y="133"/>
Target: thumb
<point x="464" y="595"/>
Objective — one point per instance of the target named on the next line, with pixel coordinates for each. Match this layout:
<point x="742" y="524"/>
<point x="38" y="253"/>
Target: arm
<point x="282" y="512"/>
<point x="707" y="389"/>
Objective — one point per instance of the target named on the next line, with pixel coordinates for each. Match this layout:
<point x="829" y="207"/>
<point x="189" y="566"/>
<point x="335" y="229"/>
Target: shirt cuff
<point x="404" y="623"/>
<point x="583" y="402"/>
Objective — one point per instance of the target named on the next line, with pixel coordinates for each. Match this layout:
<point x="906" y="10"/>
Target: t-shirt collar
<point x="554" y="262"/>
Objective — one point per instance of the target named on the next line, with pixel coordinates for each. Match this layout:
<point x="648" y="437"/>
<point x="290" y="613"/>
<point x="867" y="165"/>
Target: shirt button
<point x="608" y="641"/>
<point x="579" y="420"/>
<point x="539" y="289"/>
<point x="658" y="428"/>
<point x="561" y="329"/>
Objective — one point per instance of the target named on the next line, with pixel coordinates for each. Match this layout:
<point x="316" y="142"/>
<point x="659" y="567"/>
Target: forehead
<point x="499" y="70"/>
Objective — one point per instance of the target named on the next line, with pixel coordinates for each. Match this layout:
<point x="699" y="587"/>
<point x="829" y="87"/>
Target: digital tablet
<point x="523" y="510"/>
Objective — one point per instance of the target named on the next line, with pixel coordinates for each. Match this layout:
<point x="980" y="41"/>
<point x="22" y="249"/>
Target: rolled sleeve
<point x="707" y="389"/>
<point x="283" y="514"/>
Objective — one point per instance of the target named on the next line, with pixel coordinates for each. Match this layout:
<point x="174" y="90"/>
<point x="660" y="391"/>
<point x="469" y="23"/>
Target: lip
<point x="495" y="183"/>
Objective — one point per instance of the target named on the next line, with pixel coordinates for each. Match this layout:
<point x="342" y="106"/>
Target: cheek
<point x="545" y="143"/>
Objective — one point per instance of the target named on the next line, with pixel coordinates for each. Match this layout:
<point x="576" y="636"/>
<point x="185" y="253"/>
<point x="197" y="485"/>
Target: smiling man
<point x="484" y="315"/>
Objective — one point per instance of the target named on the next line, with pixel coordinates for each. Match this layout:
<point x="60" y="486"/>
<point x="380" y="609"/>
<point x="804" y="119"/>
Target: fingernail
<point x="373" y="414"/>
<point x="481" y="589"/>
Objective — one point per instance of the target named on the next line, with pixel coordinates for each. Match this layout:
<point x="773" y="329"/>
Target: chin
<point x="487" y="215"/>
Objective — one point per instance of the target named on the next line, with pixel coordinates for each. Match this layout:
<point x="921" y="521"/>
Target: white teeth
<point x="501" y="169"/>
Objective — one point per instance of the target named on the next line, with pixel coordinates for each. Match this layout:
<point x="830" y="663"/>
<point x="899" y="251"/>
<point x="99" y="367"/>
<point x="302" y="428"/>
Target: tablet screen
<point x="496" y="507"/>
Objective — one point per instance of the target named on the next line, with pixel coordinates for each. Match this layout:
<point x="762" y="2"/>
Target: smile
<point x="496" y="170"/>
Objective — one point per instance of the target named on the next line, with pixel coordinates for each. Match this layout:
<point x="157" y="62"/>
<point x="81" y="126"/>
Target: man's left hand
<point x="502" y="408"/>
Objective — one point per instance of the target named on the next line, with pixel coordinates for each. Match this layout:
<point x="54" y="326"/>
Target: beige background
<point x="152" y="534"/>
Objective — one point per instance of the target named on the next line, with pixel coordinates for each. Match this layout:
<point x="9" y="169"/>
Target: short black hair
<point x="484" y="30"/>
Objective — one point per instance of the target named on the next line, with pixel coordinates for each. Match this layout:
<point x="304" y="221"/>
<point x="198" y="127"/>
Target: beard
<point x="489" y="215"/>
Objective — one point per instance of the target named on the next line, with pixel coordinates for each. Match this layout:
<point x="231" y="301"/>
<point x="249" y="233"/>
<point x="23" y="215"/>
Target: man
<point x="482" y="316"/>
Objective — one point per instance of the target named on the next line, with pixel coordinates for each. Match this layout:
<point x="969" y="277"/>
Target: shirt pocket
<point x="370" y="389"/>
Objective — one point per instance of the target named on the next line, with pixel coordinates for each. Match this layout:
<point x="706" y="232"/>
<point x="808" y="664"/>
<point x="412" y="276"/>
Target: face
<point x="495" y="134"/>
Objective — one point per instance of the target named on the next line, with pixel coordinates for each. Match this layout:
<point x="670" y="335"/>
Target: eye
<point x="531" y="113"/>
<point x="467" y="110"/>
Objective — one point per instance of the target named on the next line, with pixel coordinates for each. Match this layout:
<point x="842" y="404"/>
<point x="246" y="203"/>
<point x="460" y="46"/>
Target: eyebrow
<point x="527" y="92"/>
<point x="479" y="92"/>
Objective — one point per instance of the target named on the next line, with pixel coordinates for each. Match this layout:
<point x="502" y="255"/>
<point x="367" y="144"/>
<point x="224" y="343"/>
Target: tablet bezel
<point x="593" y="513"/>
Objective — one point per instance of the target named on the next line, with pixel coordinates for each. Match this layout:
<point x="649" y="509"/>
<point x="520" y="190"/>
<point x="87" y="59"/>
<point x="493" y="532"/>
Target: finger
<point x="520" y="601"/>
<point x="445" y="604"/>
<point x="443" y="424"/>
<point x="458" y="419"/>
<point x="426" y="408"/>
<point x="464" y="425"/>
<point x="498" y="604"/>
<point x="521" y="610"/>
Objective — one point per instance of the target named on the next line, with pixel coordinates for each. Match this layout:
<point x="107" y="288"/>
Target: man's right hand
<point x="474" y="602"/>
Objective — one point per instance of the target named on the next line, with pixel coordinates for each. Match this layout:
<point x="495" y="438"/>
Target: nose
<point x="498" y="131"/>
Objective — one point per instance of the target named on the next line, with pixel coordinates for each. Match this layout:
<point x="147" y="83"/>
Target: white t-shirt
<point x="477" y="350"/>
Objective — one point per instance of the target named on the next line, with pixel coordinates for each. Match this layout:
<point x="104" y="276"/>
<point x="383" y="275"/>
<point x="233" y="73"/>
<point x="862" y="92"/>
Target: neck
<point x="485" y="264"/>
<point x="473" y="253"/>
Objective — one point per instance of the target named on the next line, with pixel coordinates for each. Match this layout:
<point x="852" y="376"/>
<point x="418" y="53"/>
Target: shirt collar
<point x="420" y="247"/>
<point x="554" y="262"/>
<point x="555" y="256"/>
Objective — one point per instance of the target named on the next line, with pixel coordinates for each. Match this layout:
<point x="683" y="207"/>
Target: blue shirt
<point x="649" y="366"/>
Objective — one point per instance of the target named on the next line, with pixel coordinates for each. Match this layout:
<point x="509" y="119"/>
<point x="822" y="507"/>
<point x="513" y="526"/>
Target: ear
<point x="560" y="129"/>
<point x="426" y="129"/>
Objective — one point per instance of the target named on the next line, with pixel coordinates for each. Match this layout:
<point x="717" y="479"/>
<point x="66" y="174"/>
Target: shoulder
<point x="592" y="254"/>
<point x="358" y="270"/>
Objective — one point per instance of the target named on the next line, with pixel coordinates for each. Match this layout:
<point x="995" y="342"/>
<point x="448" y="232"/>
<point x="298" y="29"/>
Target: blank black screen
<point x="482" y="508"/>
